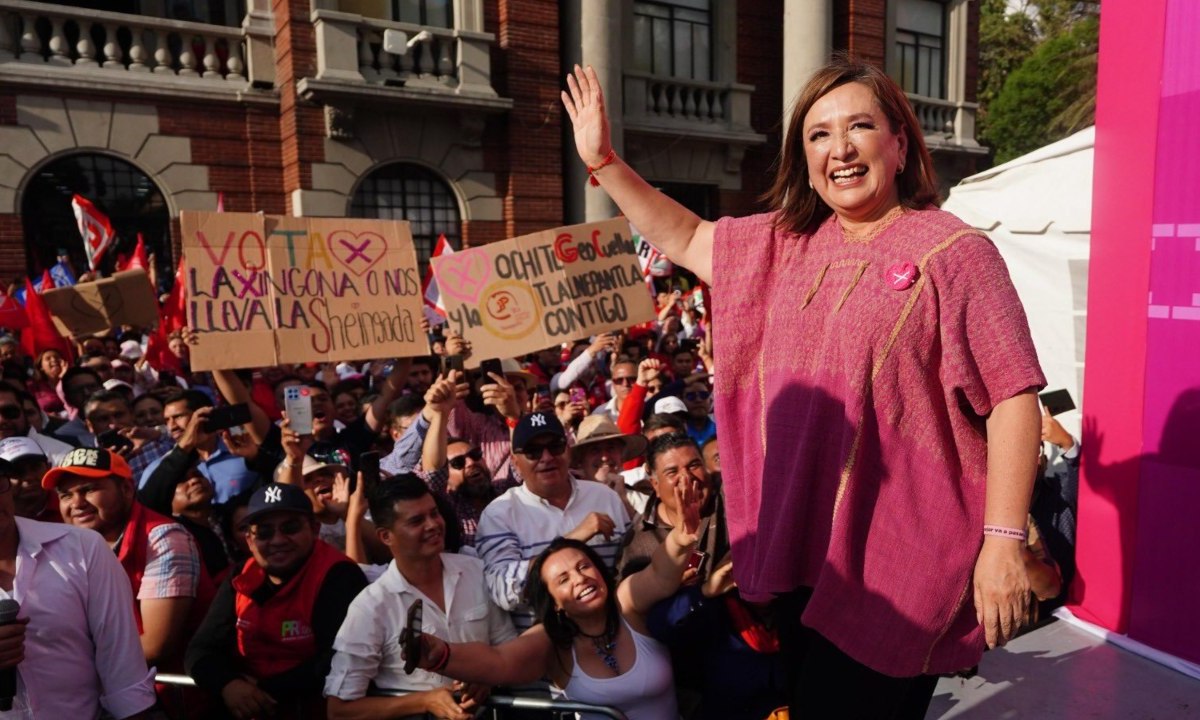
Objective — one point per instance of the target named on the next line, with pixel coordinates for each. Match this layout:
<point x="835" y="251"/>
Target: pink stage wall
<point x="1139" y="505"/>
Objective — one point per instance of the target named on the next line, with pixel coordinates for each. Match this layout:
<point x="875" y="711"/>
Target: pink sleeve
<point x="987" y="352"/>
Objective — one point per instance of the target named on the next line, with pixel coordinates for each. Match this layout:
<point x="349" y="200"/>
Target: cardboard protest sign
<point x="532" y="292"/>
<point x="126" y="298"/>
<point x="264" y="290"/>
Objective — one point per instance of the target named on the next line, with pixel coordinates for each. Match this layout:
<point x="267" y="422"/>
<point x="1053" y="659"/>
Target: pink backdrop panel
<point x="1131" y="41"/>
<point x="1166" y="577"/>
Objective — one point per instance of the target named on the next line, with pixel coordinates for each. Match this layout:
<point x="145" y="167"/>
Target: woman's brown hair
<point x="801" y="209"/>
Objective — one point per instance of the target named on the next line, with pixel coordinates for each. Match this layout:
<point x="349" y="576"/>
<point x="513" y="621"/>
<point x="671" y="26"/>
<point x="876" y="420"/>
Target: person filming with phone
<point x="454" y="605"/>
<point x="265" y="645"/>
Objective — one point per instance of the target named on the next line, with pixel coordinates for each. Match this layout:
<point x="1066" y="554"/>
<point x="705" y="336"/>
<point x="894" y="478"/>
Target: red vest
<point x="132" y="556"/>
<point x="278" y="636"/>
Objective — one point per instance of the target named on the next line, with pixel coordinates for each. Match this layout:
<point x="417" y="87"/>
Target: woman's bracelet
<point x="441" y="664"/>
<point x="1004" y="532"/>
<point x="608" y="160"/>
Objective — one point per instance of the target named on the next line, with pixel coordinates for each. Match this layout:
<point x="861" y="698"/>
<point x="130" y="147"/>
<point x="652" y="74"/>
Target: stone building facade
<point x="443" y="112"/>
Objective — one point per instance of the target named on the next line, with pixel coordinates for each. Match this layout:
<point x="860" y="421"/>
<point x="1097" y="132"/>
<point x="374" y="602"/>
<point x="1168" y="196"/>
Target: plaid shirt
<point x="172" y="564"/>
<point x="468" y="515"/>
<point x="149" y="452"/>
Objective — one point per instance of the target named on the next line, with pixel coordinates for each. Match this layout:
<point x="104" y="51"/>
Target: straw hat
<point x="598" y="428"/>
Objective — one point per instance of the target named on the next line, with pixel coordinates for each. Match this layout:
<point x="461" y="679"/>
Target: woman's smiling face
<point x="852" y="153"/>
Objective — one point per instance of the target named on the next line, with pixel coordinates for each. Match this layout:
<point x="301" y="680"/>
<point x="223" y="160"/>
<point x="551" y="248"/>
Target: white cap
<point x="669" y="405"/>
<point x="17" y="447"/>
<point x="114" y="383"/>
<point x="131" y="350"/>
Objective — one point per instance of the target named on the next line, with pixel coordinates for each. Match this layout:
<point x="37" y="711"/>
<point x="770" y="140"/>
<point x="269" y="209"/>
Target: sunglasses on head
<point x="291" y="526"/>
<point x="534" y="452"/>
<point x="627" y="380"/>
<point x="698" y="395"/>
<point x="11" y="412"/>
<point x="459" y="462"/>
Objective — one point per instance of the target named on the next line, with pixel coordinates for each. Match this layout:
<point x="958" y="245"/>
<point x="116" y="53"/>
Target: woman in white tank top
<point x="592" y="641"/>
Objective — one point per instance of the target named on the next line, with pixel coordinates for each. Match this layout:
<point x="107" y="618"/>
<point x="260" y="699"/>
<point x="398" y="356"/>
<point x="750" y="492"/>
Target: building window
<point x="403" y="191"/>
<point x="434" y="13"/>
<point x="130" y="199"/>
<point x="673" y="38"/>
<point x="920" y="50"/>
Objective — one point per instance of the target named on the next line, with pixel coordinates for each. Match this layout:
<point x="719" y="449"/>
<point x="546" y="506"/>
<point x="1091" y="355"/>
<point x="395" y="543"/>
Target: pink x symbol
<point x="356" y="251"/>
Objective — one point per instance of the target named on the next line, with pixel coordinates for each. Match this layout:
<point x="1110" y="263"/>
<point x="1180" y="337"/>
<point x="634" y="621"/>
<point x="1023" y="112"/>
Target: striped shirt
<point x="518" y="525"/>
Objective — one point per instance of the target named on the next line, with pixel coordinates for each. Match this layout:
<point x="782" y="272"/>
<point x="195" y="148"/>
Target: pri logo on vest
<point x="294" y="630"/>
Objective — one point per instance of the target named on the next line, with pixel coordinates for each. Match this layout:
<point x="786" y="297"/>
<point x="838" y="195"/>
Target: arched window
<point x="403" y="191"/>
<point x="128" y="196"/>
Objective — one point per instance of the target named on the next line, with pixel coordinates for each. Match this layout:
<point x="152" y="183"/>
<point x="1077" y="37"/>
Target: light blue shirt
<point x="227" y="473"/>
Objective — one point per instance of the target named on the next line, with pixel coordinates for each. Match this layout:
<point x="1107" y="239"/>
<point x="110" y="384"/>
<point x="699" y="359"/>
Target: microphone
<point x="8" y="676"/>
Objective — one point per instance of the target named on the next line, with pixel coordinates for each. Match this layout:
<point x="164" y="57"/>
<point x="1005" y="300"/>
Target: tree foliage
<point x="1038" y="61"/>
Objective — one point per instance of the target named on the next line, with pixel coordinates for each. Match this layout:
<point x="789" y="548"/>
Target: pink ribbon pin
<point x="901" y="276"/>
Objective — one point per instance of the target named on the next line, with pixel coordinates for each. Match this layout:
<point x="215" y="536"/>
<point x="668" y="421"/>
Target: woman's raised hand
<point x="584" y="102"/>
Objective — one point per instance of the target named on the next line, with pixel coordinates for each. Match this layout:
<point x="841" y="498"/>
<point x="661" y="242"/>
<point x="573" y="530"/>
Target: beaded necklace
<point x="604" y="644"/>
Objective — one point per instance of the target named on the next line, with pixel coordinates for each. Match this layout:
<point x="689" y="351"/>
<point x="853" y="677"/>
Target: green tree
<point x="1051" y="94"/>
<point x="1006" y="39"/>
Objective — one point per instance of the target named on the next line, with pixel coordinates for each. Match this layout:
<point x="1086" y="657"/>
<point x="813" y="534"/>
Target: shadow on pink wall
<point x="1140" y="491"/>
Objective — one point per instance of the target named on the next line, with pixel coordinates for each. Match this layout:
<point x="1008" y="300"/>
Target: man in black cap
<point x="266" y="644"/>
<point x="517" y="525"/>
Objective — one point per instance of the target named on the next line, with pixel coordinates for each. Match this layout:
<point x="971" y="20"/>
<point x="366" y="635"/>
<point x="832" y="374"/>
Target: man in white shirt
<point x="519" y="524"/>
<point x="75" y="645"/>
<point x="624" y="375"/>
<point x="455" y="608"/>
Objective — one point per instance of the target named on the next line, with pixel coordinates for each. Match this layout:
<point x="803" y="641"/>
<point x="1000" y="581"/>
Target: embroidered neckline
<point x="883" y="223"/>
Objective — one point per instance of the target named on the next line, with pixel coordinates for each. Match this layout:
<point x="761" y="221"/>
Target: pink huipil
<point x="850" y="403"/>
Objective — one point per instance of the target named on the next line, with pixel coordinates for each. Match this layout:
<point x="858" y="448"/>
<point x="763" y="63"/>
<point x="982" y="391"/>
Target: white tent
<point x="1037" y="209"/>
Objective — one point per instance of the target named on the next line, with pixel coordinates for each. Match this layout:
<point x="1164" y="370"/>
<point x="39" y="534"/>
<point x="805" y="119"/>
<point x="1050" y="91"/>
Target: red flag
<point x="94" y="228"/>
<point x="435" y="308"/>
<point x="137" y="260"/>
<point x="12" y="315"/>
<point x="172" y="315"/>
<point x="47" y="281"/>
<point x="41" y="334"/>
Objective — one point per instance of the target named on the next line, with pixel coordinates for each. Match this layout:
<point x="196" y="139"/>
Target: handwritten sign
<point x="532" y="292"/>
<point x="264" y="290"/>
<point x="126" y="298"/>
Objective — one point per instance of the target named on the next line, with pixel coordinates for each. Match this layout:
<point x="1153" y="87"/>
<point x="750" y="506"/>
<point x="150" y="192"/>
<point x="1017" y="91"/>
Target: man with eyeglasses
<point x="454" y="468"/>
<point x="516" y="526"/>
<point x="266" y="644"/>
<point x="697" y="396"/>
<point x="624" y="375"/>
<point x="14" y="422"/>
<point x="24" y="464"/>
<point x="75" y="644"/>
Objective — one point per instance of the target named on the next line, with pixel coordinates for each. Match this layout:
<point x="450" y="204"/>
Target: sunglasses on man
<point x="459" y="462"/>
<point x="535" y="452"/>
<point x="696" y="395"/>
<point x="11" y="412"/>
<point x="291" y="526"/>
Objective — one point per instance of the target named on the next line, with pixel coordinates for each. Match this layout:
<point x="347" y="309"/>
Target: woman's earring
<point x="810" y="187"/>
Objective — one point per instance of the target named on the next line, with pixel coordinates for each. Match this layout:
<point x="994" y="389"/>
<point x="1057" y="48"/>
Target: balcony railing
<point x="69" y="37"/>
<point x="440" y="65"/>
<point x="947" y="124"/>
<point x="690" y="107"/>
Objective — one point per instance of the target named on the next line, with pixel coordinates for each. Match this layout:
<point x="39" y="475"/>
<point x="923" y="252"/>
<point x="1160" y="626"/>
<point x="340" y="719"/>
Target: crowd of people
<point x="564" y="524"/>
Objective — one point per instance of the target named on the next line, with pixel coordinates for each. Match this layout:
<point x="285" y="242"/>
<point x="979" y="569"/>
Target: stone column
<point x="593" y="26"/>
<point x="807" y="43"/>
